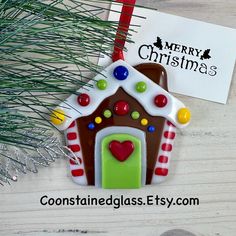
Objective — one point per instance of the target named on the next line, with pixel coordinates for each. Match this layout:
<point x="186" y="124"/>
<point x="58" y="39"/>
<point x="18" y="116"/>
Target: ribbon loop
<point x="123" y="28"/>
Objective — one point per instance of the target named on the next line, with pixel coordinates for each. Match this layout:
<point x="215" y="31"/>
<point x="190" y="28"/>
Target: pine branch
<point x="47" y="51"/>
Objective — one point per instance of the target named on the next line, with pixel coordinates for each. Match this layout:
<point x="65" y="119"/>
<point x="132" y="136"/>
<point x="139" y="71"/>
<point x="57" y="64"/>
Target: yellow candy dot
<point x="57" y="117"/>
<point x="184" y="115"/>
<point x="144" y="122"/>
<point x="98" y="120"/>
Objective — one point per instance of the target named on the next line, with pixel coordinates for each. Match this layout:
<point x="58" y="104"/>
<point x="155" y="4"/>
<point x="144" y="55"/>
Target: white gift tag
<point x="199" y="57"/>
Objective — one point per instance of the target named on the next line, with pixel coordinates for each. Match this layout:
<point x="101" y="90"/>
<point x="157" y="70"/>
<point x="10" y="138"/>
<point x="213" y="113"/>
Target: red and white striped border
<point x="163" y="158"/>
<point x="73" y="142"/>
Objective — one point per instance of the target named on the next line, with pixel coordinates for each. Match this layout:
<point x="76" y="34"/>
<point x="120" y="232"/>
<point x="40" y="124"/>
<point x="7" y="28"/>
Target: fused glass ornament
<point x="131" y="147"/>
<point x="152" y="134"/>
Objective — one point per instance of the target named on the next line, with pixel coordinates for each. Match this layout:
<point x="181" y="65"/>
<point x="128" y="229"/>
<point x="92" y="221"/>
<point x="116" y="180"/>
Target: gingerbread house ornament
<point x="122" y="125"/>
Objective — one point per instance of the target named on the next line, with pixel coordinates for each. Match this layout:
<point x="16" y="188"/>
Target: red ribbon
<point x="123" y="27"/>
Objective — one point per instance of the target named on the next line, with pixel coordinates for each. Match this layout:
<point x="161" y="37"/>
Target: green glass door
<point x="121" y="161"/>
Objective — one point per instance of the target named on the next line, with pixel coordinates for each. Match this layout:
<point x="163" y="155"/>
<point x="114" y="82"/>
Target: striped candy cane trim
<point x="76" y="167"/>
<point x="164" y="154"/>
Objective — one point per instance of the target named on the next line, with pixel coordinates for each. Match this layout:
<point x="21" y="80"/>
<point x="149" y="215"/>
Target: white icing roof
<point x="73" y="110"/>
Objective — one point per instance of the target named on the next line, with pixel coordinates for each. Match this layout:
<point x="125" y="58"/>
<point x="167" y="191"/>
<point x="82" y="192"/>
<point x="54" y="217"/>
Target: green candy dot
<point x="141" y="87"/>
<point x="102" y="84"/>
<point x="135" y="115"/>
<point x="107" y="113"/>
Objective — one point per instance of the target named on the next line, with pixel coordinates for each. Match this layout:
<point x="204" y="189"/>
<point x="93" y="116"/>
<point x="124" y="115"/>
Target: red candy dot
<point x="74" y="148"/>
<point x="83" y="99"/>
<point x="78" y="161"/>
<point x="72" y="136"/>
<point x="169" y="135"/>
<point x="72" y="124"/>
<point x="170" y="124"/>
<point x="163" y="159"/>
<point x="166" y="147"/>
<point x="161" y="171"/>
<point x="121" y="108"/>
<point x="78" y="172"/>
<point x="160" y="100"/>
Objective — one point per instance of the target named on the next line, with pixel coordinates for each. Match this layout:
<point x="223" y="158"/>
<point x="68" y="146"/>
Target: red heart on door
<point x="121" y="150"/>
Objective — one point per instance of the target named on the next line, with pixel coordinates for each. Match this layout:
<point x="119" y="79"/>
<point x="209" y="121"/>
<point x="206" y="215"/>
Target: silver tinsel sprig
<point x="38" y="147"/>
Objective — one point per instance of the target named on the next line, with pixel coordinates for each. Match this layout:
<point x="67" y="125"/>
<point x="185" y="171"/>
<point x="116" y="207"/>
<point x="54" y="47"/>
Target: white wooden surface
<point x="203" y="165"/>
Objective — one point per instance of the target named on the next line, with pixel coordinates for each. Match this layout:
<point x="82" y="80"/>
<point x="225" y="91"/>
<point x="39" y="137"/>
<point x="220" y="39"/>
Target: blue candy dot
<point x="151" y="129"/>
<point x="121" y="73"/>
<point x="91" y="126"/>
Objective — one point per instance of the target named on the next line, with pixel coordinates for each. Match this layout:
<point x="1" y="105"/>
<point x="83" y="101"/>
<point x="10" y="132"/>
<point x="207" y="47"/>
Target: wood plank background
<point x="203" y="165"/>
